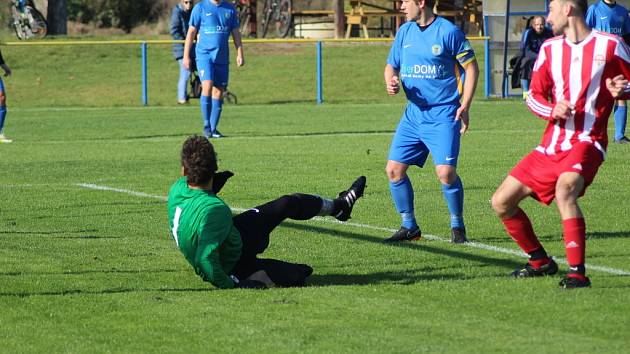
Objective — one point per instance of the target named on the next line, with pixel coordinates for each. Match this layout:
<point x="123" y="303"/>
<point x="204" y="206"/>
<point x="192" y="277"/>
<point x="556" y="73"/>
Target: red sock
<point x="574" y="231"/>
<point x="520" y="229"/>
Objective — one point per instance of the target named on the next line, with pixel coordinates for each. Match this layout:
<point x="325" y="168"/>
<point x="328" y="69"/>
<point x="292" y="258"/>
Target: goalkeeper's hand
<point x="219" y="180"/>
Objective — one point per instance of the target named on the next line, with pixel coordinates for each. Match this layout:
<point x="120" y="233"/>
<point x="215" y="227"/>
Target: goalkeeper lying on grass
<point x="223" y="249"/>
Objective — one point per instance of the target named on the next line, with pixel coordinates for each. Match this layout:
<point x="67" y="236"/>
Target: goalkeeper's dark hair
<point x="199" y="160"/>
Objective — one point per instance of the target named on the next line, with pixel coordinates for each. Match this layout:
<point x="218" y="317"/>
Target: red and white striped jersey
<point x="577" y="73"/>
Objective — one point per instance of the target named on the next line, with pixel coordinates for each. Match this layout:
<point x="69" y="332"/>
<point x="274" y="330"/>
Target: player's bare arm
<point x="392" y="81"/>
<point x="238" y="43"/>
<point x="617" y="86"/>
<point x="190" y="36"/>
<point x="7" y="71"/>
<point x="470" y="84"/>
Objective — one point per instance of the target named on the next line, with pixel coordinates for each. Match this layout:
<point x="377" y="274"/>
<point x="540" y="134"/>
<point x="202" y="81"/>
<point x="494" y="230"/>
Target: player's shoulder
<point x="552" y="40"/>
<point x="197" y="8"/>
<point x="407" y="26"/>
<point x="228" y="5"/>
<point x="443" y="22"/>
<point x="606" y="36"/>
<point x="215" y="207"/>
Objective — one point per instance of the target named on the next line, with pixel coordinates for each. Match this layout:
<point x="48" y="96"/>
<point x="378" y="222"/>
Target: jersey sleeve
<point x="622" y="59"/>
<point x="540" y="87"/>
<point x="213" y="232"/>
<point x="195" y="17"/>
<point x="590" y="16"/>
<point x="461" y="48"/>
<point x="394" y="53"/>
<point x="626" y="25"/>
<point x="235" y="23"/>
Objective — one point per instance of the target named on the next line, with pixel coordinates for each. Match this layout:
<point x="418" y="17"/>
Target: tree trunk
<point x="57" y="17"/>
<point x="339" y="18"/>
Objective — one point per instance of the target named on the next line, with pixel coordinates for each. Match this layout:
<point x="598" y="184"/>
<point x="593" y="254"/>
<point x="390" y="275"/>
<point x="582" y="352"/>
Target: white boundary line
<point x="370" y="227"/>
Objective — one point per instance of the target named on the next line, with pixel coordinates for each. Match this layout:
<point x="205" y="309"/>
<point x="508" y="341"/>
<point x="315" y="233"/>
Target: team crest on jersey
<point x="599" y="59"/>
<point x="227" y="15"/>
<point x="436" y="49"/>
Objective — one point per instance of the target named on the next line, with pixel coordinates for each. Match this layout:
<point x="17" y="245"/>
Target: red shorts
<point x="540" y="172"/>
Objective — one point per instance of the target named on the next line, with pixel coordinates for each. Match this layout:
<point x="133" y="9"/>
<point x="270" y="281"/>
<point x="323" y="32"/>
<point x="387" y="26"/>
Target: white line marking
<point x="118" y="190"/>
<point x="371" y="227"/>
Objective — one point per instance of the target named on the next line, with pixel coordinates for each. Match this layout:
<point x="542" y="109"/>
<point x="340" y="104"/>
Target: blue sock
<point x="620" y="121"/>
<point x="525" y="85"/>
<point x="216" y="114"/>
<point x="402" y="194"/>
<point x="206" y="109"/>
<point x="3" y="114"/>
<point x="454" y="195"/>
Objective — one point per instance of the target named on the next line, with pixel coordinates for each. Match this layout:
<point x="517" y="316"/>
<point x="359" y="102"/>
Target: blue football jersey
<point x="430" y="61"/>
<point x="613" y="19"/>
<point x="214" y="23"/>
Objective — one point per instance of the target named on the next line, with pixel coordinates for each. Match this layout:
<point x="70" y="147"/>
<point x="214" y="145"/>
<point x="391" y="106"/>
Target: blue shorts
<point x="217" y="73"/>
<point x="427" y="130"/>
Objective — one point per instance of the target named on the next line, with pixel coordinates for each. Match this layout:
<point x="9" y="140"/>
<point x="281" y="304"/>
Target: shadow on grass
<point x="593" y="235"/>
<point x="420" y="246"/>
<point x="404" y="277"/>
<point x="394" y="277"/>
<point x="558" y="237"/>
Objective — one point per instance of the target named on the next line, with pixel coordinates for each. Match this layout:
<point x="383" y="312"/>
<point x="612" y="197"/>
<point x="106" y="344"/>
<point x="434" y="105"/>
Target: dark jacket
<point x="179" y="28"/>
<point x="523" y="64"/>
<point x="530" y="46"/>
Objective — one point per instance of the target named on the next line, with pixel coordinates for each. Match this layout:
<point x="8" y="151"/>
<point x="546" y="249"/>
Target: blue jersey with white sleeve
<point x="430" y="61"/>
<point x="611" y="19"/>
<point x="214" y="23"/>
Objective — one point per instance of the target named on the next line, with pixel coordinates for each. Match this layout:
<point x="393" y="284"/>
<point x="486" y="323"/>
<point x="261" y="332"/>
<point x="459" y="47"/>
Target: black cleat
<point x="404" y="234"/>
<point x="623" y="140"/>
<point x="348" y="197"/>
<point x="570" y="282"/>
<point x="458" y="235"/>
<point x="529" y="271"/>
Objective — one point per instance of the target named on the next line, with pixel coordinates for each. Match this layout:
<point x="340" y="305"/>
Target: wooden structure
<point x="465" y="13"/>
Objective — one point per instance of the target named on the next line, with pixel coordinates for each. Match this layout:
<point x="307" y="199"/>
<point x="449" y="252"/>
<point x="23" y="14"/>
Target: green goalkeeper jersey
<point x="201" y="224"/>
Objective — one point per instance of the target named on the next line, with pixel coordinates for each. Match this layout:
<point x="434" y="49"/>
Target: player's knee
<point x="446" y="175"/>
<point x="288" y="201"/>
<point x="217" y="93"/>
<point x="394" y="173"/>
<point x="565" y="195"/>
<point x="500" y="204"/>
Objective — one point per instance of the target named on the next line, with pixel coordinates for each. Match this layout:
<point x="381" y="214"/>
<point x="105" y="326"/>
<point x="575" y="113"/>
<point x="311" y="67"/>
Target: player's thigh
<point x="509" y="194"/>
<point x="221" y="75"/>
<point x="579" y="168"/>
<point x="205" y="69"/>
<point x="407" y="147"/>
<point x="539" y="173"/>
<point x="443" y="140"/>
<point x="252" y="225"/>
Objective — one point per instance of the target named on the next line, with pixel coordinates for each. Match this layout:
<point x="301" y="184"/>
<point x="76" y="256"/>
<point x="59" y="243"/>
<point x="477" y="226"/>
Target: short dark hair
<point x="199" y="160"/>
<point x="581" y="5"/>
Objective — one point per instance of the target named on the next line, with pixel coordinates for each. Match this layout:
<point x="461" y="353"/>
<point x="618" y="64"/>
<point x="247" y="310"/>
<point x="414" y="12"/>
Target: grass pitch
<point x="85" y="270"/>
